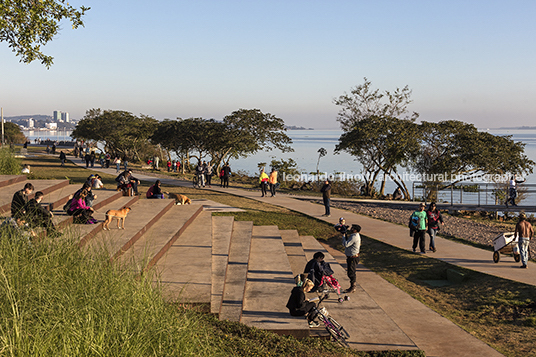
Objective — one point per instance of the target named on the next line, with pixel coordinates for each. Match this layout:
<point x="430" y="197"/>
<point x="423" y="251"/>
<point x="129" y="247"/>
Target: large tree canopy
<point x="121" y="133"/>
<point x="381" y="144"/>
<point x="454" y="151"/>
<point x="27" y="24"/>
<point x="242" y="133"/>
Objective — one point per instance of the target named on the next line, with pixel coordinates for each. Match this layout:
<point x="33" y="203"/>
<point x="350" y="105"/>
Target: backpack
<point x="414" y="222"/>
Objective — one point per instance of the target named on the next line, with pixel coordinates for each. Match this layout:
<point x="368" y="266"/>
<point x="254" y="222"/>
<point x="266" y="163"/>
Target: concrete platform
<point x="45" y="186"/>
<point x="370" y="328"/>
<point x="143" y="215"/>
<point x="185" y="270"/>
<point x="268" y="286"/>
<point x="6" y="180"/>
<point x="222" y="229"/>
<point x="236" y="273"/>
<point x="294" y="250"/>
<point x="152" y="245"/>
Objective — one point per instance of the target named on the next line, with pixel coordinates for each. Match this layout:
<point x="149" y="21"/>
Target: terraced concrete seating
<point x="7" y="191"/>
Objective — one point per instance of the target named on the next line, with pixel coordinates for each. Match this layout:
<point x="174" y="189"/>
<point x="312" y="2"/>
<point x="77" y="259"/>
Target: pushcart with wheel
<point x="505" y="243"/>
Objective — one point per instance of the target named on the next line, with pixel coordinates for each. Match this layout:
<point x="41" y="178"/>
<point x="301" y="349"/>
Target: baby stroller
<point x="326" y="282"/>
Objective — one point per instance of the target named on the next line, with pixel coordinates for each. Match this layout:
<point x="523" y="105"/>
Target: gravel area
<point x="459" y="227"/>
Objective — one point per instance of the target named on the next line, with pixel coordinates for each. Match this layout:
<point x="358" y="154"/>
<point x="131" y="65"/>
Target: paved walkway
<point x="432" y="333"/>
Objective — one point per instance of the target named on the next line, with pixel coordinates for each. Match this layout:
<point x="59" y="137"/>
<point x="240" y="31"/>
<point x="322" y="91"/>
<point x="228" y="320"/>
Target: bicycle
<point x="335" y="329"/>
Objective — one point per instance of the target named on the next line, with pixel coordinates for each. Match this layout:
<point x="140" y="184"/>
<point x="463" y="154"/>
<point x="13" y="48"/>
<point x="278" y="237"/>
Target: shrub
<point x="9" y="164"/>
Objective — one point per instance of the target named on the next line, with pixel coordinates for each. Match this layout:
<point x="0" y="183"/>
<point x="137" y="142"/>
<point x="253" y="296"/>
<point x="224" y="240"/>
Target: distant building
<point x="65" y="117"/>
<point x="56" y="116"/>
<point x="31" y="123"/>
<point x="51" y="126"/>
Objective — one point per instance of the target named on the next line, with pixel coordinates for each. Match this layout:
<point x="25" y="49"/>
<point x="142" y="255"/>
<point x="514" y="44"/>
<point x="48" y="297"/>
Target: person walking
<point x="63" y="157"/>
<point x="263" y="180"/>
<point x="273" y="181"/>
<point x="352" y="245"/>
<point x="524" y="232"/>
<point x="117" y="162"/>
<point x="434" y="219"/>
<point x="208" y="173"/>
<point x="512" y="190"/>
<point x="417" y="225"/>
<point x="326" y="195"/>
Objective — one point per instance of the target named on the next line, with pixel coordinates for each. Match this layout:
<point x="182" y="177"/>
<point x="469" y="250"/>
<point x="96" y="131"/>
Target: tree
<point x="321" y="153"/>
<point x="378" y="131"/>
<point x="452" y="151"/>
<point x="120" y="132"/>
<point x="381" y="144"/>
<point x="13" y="134"/>
<point x="27" y="24"/>
<point x="242" y="133"/>
<point x="363" y="102"/>
<point x="195" y="137"/>
<point x="249" y="131"/>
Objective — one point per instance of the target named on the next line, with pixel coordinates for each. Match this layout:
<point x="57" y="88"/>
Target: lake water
<point x="306" y="144"/>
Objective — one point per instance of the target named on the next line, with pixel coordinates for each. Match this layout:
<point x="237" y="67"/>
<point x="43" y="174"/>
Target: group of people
<point x="318" y="272"/>
<point x="204" y="172"/>
<point x="425" y="221"/>
<point x="268" y="182"/>
<point x="30" y="213"/>
<point x="126" y="182"/>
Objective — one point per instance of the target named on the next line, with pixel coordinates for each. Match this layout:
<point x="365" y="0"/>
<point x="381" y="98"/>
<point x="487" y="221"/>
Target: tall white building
<point x="31" y="123"/>
<point x="56" y="116"/>
<point x="65" y="117"/>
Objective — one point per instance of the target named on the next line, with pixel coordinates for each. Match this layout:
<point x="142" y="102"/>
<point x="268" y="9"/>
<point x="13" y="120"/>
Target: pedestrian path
<point x="429" y="331"/>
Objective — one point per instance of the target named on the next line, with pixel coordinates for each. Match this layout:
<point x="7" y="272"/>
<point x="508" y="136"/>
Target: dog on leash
<point x="119" y="214"/>
<point x="180" y="199"/>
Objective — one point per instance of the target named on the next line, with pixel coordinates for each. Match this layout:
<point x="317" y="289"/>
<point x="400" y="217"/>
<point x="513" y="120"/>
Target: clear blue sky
<point x="468" y="60"/>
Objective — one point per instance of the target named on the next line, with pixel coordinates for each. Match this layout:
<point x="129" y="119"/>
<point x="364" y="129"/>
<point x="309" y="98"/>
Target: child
<point x="297" y="304"/>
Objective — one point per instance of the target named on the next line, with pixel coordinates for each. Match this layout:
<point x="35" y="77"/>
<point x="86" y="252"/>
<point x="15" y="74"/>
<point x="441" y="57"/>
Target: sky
<point x="470" y="60"/>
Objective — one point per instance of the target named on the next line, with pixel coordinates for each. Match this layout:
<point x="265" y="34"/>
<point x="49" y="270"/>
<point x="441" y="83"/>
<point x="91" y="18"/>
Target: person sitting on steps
<point x="297" y="304"/>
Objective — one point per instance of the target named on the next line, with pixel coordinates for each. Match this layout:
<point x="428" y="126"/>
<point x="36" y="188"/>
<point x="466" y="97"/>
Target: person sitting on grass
<point x="297" y="304"/>
<point x="39" y="216"/>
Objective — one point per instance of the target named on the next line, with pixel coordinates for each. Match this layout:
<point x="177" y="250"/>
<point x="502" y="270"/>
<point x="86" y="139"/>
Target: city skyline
<point x="469" y="61"/>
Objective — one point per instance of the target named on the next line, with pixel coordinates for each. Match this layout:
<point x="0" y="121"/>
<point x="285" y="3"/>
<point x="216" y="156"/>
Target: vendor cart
<point x="506" y="243"/>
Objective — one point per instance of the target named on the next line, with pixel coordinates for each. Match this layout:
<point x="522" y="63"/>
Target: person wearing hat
<point x="524" y="232"/>
<point x="297" y="304"/>
<point x="418" y="224"/>
<point x="352" y="244"/>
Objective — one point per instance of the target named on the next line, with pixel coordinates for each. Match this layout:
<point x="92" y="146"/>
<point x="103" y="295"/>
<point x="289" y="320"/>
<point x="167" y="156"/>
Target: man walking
<point x="417" y="224"/>
<point x="352" y="244"/>
<point x="524" y="232"/>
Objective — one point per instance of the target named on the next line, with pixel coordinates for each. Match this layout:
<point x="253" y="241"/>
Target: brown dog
<point x="180" y="199"/>
<point x="119" y="214"/>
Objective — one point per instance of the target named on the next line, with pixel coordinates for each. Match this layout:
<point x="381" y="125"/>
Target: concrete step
<point x="144" y="214"/>
<point x="222" y="229"/>
<point x="6" y="180"/>
<point x="294" y="250"/>
<point x="268" y="286"/>
<point x="87" y="232"/>
<point x="157" y="240"/>
<point x="370" y="328"/>
<point x="184" y="272"/>
<point x="45" y="186"/>
<point x="236" y="273"/>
